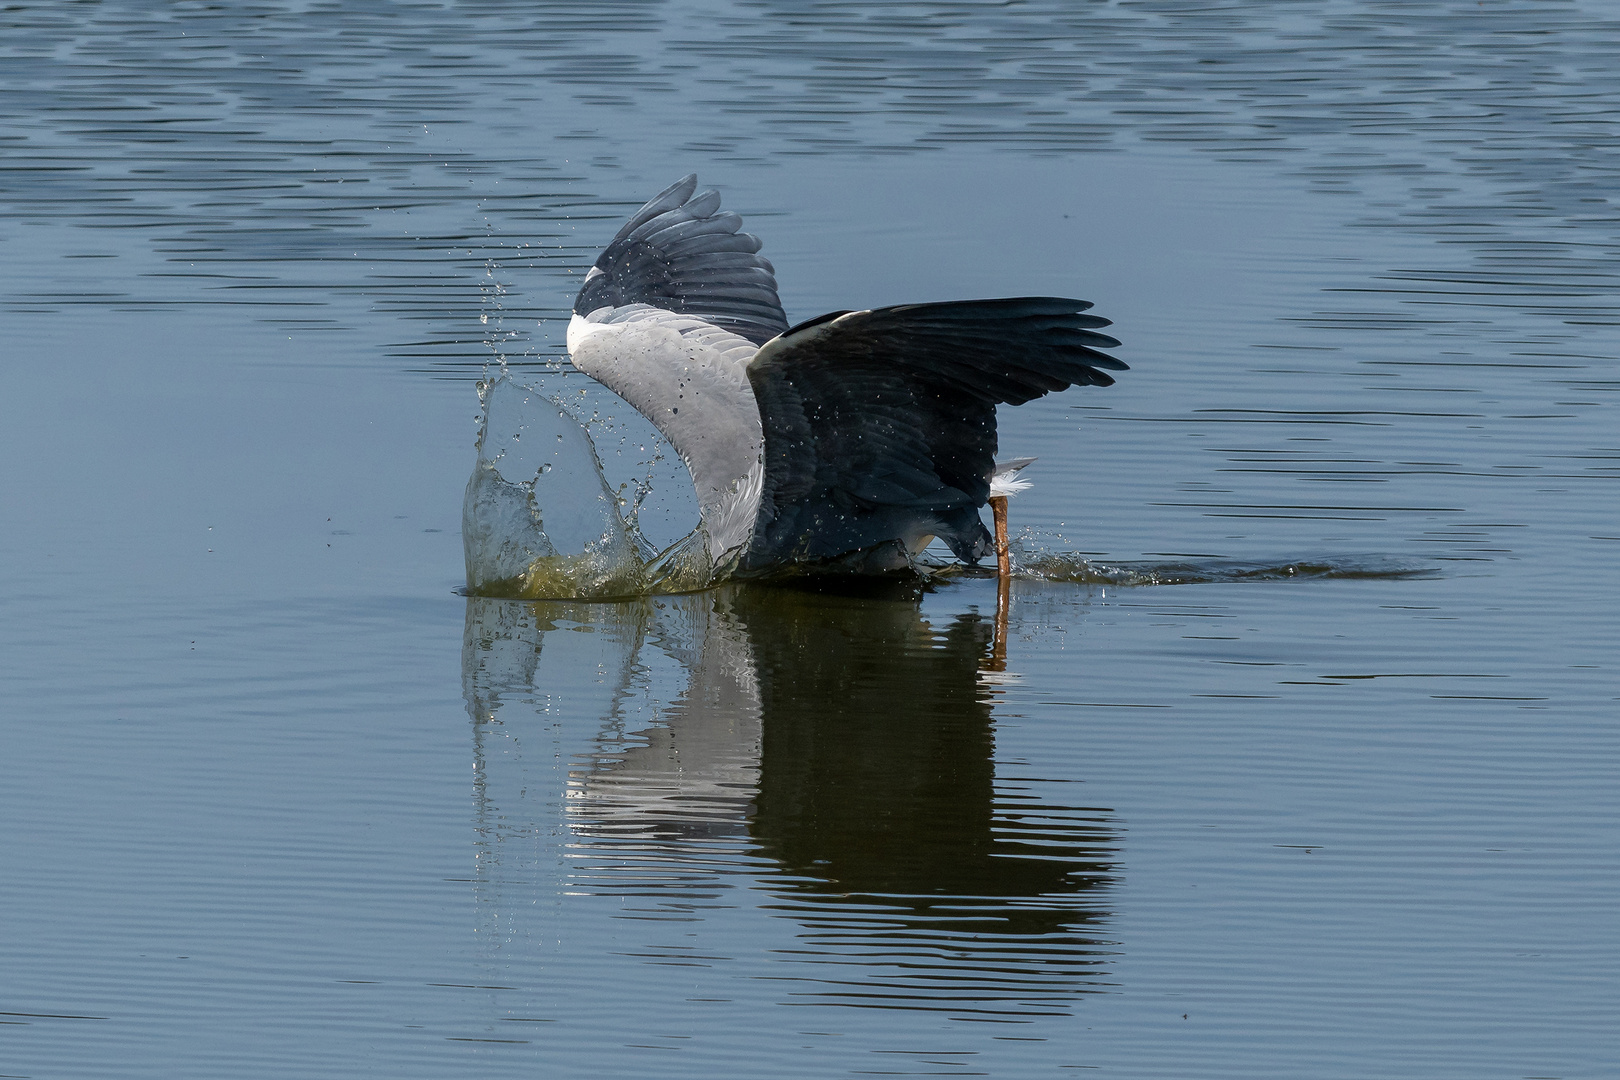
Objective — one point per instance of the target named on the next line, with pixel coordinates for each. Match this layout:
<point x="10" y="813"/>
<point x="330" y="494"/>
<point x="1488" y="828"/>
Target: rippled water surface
<point x="1296" y="754"/>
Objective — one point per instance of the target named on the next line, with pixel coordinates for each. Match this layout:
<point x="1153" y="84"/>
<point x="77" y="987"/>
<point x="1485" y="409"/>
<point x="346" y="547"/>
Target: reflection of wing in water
<point x="837" y="753"/>
<point x="920" y="881"/>
<point x="695" y="774"/>
<point x="658" y="780"/>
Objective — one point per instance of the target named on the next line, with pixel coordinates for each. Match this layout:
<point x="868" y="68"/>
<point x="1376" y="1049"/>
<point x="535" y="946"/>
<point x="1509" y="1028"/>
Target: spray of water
<point x="540" y="520"/>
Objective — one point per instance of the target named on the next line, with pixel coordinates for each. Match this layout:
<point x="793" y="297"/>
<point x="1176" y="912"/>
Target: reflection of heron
<point x="836" y="752"/>
<point x="878" y="797"/>
<point x="851" y="439"/>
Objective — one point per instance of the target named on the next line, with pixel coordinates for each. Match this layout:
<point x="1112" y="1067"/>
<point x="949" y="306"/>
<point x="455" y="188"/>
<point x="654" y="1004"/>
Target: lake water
<point x="277" y="801"/>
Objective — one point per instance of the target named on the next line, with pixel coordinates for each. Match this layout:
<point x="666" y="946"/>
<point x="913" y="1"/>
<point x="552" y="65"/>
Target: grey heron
<point x="847" y="441"/>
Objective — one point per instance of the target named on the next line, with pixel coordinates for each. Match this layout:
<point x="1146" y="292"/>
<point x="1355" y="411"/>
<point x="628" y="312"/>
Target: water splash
<point x="1072" y="568"/>
<point x="539" y="519"/>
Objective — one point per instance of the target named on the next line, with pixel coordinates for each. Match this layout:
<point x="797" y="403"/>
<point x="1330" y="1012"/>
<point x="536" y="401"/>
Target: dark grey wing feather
<point x="681" y="253"/>
<point x="882" y="424"/>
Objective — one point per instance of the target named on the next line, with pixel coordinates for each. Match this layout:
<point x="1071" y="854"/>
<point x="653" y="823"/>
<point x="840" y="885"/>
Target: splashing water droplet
<point x="532" y="529"/>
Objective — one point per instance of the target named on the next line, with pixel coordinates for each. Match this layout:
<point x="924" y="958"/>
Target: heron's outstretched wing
<point x="876" y="419"/>
<point x="686" y="375"/>
<point x="681" y="254"/>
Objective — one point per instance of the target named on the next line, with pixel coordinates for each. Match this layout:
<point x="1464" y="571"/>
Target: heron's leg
<point x="998" y="508"/>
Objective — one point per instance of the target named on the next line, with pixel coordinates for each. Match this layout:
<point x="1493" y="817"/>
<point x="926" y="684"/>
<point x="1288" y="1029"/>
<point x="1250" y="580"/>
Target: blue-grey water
<point x="275" y="800"/>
